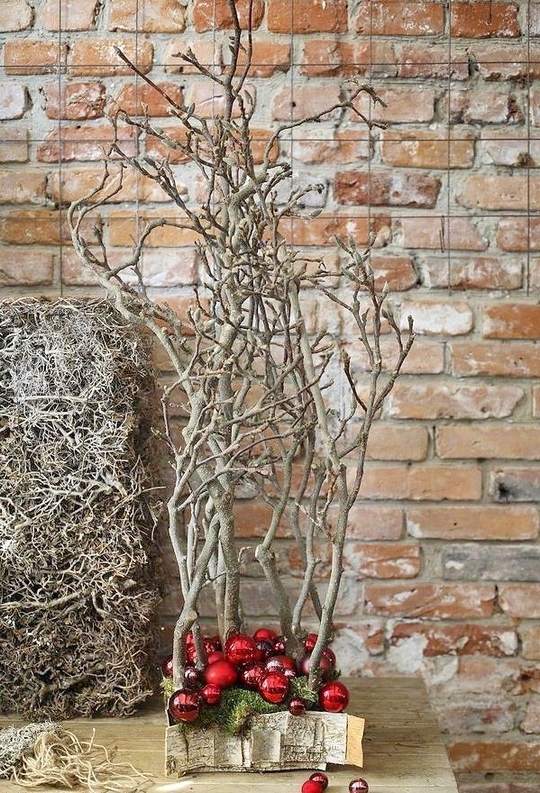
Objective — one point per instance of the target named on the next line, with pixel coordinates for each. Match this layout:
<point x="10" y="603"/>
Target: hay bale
<point x="77" y="552"/>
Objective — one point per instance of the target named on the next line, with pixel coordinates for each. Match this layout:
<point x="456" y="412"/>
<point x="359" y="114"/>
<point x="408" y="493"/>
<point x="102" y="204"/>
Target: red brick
<point x="402" y="105"/>
<point x="22" y="186"/>
<point x="427" y="149"/>
<point x="66" y="15"/>
<point x="215" y="14"/>
<point x="28" y="268"/>
<point x="386" y="188"/>
<point x="316" y="145"/>
<point x="481" y="19"/>
<point x="492" y="756"/>
<point x="83" y="143"/>
<point x="530" y="638"/>
<point x="491" y="441"/>
<point x="531" y="719"/>
<point x="74" y="101"/>
<point x="472" y="522"/>
<point x="303" y="101"/>
<point x="336" y="57"/>
<point x="34" y="56"/>
<point x="506" y="61"/>
<point x="518" y="234"/>
<point x="159" y="269"/>
<point x="137" y="99"/>
<point x="452" y="401"/>
<point x="147" y="16"/>
<point x="382" y="559"/>
<point x="208" y="53"/>
<point x="14" y="146"/>
<point x="511" y="321"/>
<point x="431" y="317"/>
<point x="400" y="18"/>
<point x="300" y="231"/>
<point x="268" y="58"/>
<point x="461" y="639"/>
<point x="471" y="272"/>
<point x="431" y="600"/>
<point x="457" y="233"/>
<point x="508" y="359"/>
<point x="472" y="716"/>
<point x="13" y="101"/>
<point x="370" y="522"/>
<point x="515" y="192"/>
<point x="209" y="101"/>
<point x="123" y="230"/>
<point x="421" y="483"/>
<point x="97" y="57"/>
<point x="520" y="600"/>
<point x="492" y="104"/>
<point x="432" y="61"/>
<point x="28" y="227"/>
<point x="71" y="184"/>
<point x="307" y="16"/>
<point x="425" y="357"/>
<point x="387" y="442"/>
<point x="15" y="15"/>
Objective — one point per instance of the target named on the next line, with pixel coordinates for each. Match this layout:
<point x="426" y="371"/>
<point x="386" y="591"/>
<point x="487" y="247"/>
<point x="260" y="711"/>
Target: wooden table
<point x="403" y="751"/>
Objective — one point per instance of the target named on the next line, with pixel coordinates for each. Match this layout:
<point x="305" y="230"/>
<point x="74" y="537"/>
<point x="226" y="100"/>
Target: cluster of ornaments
<point x="318" y="782"/>
<point x="257" y="663"/>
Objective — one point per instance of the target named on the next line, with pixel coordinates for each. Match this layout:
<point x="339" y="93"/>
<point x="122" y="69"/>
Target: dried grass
<point x="77" y="592"/>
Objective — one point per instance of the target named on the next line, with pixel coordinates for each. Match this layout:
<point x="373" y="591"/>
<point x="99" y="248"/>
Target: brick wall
<point x="443" y="561"/>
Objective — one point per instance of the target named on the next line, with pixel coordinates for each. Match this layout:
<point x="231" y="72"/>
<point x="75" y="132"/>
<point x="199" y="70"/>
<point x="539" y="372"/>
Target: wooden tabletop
<point x="402" y="747"/>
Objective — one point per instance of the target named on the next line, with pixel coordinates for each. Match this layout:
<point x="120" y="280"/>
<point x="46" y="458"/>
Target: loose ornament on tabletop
<point x="320" y="776"/>
<point x="311" y="786"/>
<point x="358" y="786"/>
<point x="274" y="687"/>
<point x="333" y="697"/>
<point x="184" y="705"/>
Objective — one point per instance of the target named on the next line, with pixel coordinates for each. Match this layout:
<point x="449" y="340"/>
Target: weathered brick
<point x="516" y="192"/>
<point x="370" y="522"/>
<point x="208" y="53"/>
<point x="354" y="645"/>
<point x="210" y="101"/>
<point x="471" y="272"/>
<point x="307" y="16"/>
<point x="421" y="483"/>
<point x="137" y="100"/>
<point x="491" y="756"/>
<point x="97" y="57"/>
<point x="515" y="484"/>
<point x="520" y="600"/>
<point x="148" y="16"/>
<point x="431" y="600"/>
<point x="14" y="146"/>
<point x="158" y="268"/>
<point x="518" y="234"/>
<point x="511" y="321"/>
<point x="531" y="719"/>
<point x="315" y="145"/>
<point x="478" y="716"/>
<point x="334" y="56"/>
<point x="432" y="61"/>
<point x="427" y="148"/>
<point x="472" y="522"/>
<point x="28" y="227"/>
<point x="303" y="101"/>
<point x="34" y="56"/>
<point x="15" y="15"/>
<point x="382" y="559"/>
<point x="388" y="442"/>
<point x="483" y="19"/>
<point x="473" y="677"/>
<point x="74" y="101"/>
<point x="497" y="640"/>
<point x="13" y="101"/>
<point x="530" y="639"/>
<point x="503" y="441"/>
<point x="123" y="230"/>
<point x="267" y="58"/>
<point x="315" y="231"/>
<point x="456" y="233"/>
<point x="452" y="401"/>
<point x="84" y="143"/>
<point x="400" y="18"/>
<point x="400" y="105"/>
<point x="488" y="562"/>
<point x="502" y="359"/>
<point x="506" y="61"/>
<point x="66" y="15"/>
<point x="490" y="104"/>
<point x="215" y="14"/>
<point x="22" y="186"/>
<point x="72" y="183"/>
<point x="382" y="188"/>
<point x="28" y="268"/>
<point x="430" y="317"/>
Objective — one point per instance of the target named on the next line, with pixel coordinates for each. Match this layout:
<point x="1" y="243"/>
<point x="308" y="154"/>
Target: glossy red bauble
<point x="333" y="697"/>
<point x="167" y="667"/>
<point x="321" y="778"/>
<point x="311" y="786"/>
<point x="184" y="705"/>
<point x="252" y="674"/>
<point x="310" y="641"/>
<point x="264" y="635"/>
<point x="358" y="786"/>
<point x="282" y="663"/>
<point x="193" y="676"/>
<point x="297" y="706"/>
<point x="274" y="687"/>
<point x="211" y="694"/>
<point x="217" y="655"/>
<point x="264" y="648"/>
<point x="325" y="665"/>
<point x="240" y="649"/>
<point x="223" y="673"/>
<point x="279" y="645"/>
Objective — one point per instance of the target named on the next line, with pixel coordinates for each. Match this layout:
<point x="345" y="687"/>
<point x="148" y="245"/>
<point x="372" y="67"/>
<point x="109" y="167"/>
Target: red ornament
<point x="309" y="641"/>
<point x="274" y="687"/>
<point x="252" y="674"/>
<point x="282" y="663"/>
<point x="223" y="673"/>
<point x="217" y="655"/>
<point x="264" y="648"/>
<point x="333" y="697"/>
<point x="279" y="645"/>
<point x="358" y="786"/>
<point x="167" y="667"/>
<point x="240" y="649"/>
<point x="264" y="635"/>
<point x="184" y="705"/>
<point x="321" y="778"/>
<point x="211" y="694"/>
<point x="330" y="655"/>
<point x="192" y="676"/>
<point x="297" y="706"/>
<point x="311" y="786"/>
<point x="325" y="665"/>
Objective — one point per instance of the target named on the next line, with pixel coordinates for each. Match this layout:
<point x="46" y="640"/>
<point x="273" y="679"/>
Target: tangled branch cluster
<point x="77" y="597"/>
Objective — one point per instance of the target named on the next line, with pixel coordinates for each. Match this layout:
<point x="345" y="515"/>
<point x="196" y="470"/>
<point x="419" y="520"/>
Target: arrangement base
<point x="274" y="742"/>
